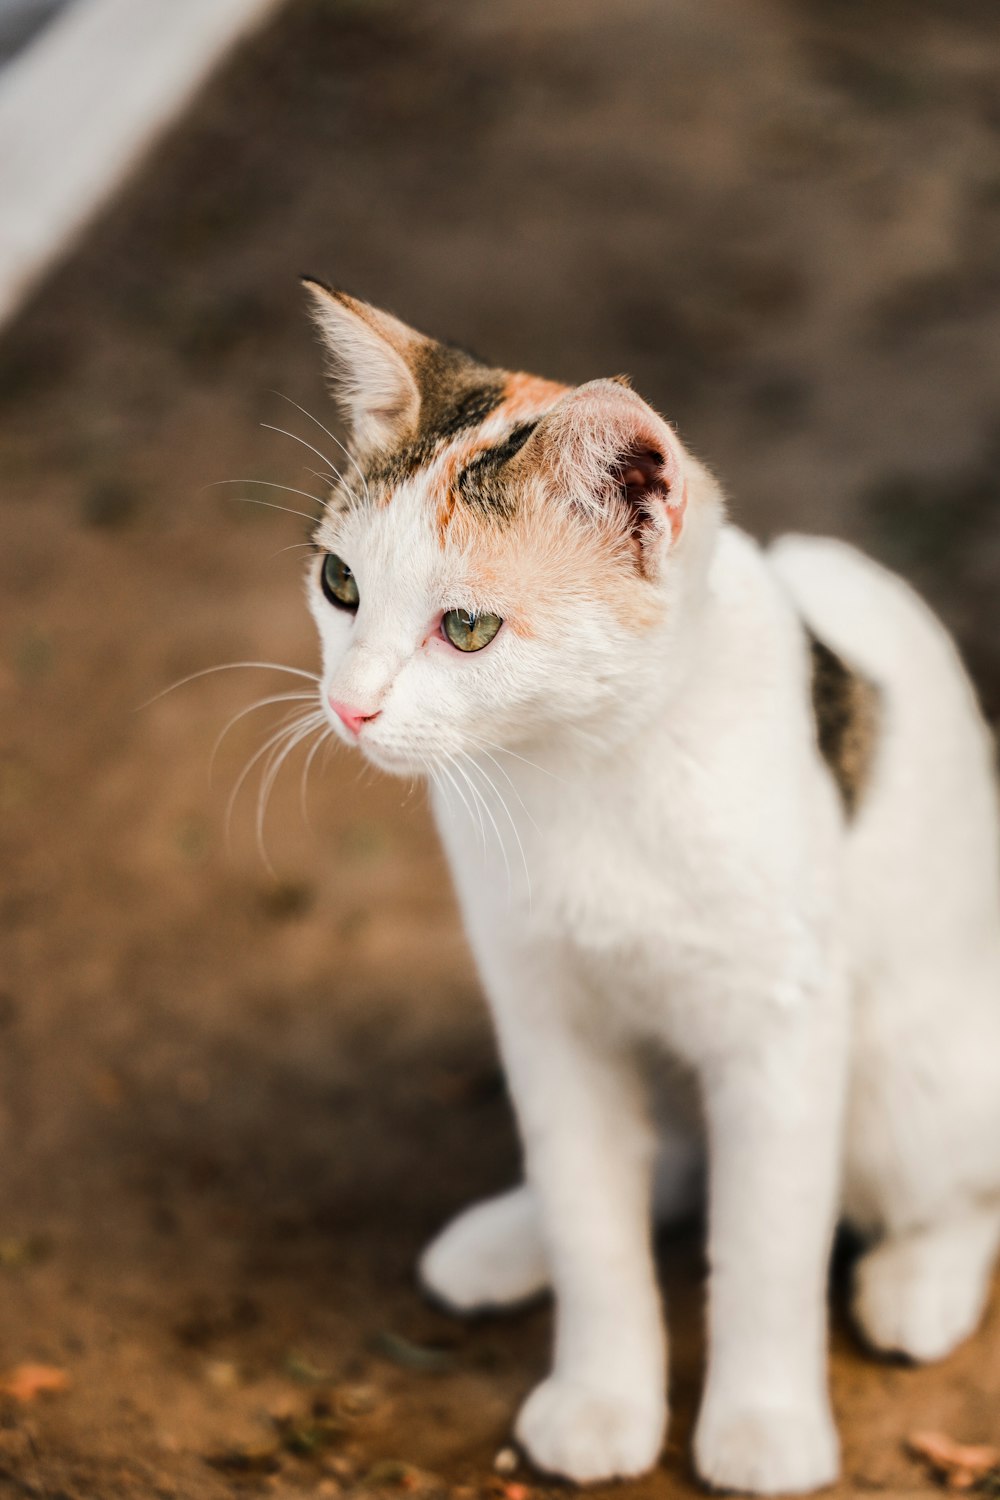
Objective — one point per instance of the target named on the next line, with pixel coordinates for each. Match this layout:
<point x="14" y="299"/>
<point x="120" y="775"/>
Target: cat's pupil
<point x="468" y="630"/>
<point x="338" y="582"/>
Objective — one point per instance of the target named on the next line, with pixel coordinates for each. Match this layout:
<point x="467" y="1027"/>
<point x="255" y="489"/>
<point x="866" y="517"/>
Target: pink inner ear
<point x="648" y="479"/>
<point x="641" y="470"/>
<point x="643" y="476"/>
<point x="632" y="478"/>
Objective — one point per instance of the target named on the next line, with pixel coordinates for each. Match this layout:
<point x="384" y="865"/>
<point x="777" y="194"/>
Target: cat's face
<point x="500" y="560"/>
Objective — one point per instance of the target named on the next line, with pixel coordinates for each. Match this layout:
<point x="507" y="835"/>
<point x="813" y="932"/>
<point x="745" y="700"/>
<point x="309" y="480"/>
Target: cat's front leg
<point x="773" y="1109"/>
<point x="601" y="1414"/>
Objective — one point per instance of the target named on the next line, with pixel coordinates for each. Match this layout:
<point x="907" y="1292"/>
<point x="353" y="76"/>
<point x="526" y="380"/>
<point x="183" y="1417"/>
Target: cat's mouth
<point x="397" y="760"/>
<point x="382" y="747"/>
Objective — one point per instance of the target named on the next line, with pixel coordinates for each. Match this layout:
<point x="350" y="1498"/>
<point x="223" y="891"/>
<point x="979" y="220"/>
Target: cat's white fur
<point x="684" y="942"/>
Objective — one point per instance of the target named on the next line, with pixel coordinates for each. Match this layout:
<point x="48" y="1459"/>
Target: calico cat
<point x="738" y="907"/>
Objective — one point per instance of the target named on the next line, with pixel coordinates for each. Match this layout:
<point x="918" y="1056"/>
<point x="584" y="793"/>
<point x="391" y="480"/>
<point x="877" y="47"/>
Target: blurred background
<point x="21" y="21"/>
<point x="237" y="1096"/>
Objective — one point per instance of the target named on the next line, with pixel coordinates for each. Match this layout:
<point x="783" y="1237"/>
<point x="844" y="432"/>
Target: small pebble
<point x="506" y="1461"/>
<point x="340" y="1466"/>
<point x="222" y="1374"/>
<point x="356" y="1400"/>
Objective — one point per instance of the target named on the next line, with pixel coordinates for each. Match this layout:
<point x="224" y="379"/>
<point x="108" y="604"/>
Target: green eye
<point x="338" y="582"/>
<point x="469" y="631"/>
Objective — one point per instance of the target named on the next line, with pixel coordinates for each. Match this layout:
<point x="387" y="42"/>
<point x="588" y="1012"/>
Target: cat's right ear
<point x="613" y="459"/>
<point x="371" y="358"/>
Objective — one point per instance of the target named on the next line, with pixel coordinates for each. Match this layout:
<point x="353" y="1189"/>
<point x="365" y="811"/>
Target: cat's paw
<point x="919" y="1295"/>
<point x="490" y="1257"/>
<point x="587" y="1435"/>
<point x="762" y="1450"/>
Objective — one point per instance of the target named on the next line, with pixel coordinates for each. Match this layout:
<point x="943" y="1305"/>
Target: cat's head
<point x="502" y="559"/>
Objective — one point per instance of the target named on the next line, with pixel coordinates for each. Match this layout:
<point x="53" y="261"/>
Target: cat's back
<point x="930" y="804"/>
<point x="862" y="610"/>
<point x="882" y="629"/>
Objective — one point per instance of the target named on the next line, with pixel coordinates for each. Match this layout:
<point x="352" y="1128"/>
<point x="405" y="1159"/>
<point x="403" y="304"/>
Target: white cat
<point x="723" y="827"/>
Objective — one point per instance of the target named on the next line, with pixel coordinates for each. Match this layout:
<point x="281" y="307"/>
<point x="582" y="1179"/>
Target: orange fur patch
<point x="525" y="396"/>
<point x="676" y="509"/>
<point x="524" y="569"/>
<point x="529" y="395"/>
<point x="448" y="467"/>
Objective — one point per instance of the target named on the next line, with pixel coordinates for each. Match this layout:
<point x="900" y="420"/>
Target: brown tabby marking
<point x="474" y="472"/>
<point x="847" y="711"/>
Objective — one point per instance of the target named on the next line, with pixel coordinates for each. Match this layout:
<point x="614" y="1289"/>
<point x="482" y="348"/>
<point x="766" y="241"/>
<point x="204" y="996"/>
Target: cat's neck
<point x="708" y="664"/>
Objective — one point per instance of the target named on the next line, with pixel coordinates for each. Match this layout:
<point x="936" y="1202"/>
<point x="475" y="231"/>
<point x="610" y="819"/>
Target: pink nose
<point x="352" y="718"/>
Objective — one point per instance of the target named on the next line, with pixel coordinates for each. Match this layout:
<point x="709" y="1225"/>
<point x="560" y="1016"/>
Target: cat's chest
<point x="648" y="901"/>
<point x="673" y="930"/>
<point x="602" y="883"/>
<point x="601" y="867"/>
<point x="635" y="913"/>
<point x="628" y="885"/>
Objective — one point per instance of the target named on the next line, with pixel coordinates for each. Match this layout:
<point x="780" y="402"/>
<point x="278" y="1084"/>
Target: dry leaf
<point x="960" y="1465"/>
<point x="247" y="1460"/>
<point x="410" y="1356"/>
<point x="25" y="1382"/>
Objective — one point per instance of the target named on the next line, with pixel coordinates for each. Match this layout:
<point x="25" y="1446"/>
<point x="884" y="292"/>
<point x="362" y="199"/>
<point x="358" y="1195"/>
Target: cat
<point x="723" y="827"/>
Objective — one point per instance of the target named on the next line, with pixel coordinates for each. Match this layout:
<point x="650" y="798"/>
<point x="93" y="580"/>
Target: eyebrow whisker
<point x="346" y="451"/>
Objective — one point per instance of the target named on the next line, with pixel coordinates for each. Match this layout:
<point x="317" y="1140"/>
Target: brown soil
<point x="235" y="1105"/>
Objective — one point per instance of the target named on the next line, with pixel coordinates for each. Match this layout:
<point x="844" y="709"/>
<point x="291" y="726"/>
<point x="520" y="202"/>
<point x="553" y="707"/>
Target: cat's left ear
<point x="615" y="459"/>
<point x="372" y="357"/>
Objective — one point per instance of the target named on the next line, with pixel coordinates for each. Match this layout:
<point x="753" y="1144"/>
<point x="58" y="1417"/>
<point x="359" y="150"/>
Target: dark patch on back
<point x="847" y="707"/>
<point x="480" y="483"/>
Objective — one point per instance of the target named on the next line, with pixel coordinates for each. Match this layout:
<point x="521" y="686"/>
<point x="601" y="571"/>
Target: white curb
<point x="81" y="105"/>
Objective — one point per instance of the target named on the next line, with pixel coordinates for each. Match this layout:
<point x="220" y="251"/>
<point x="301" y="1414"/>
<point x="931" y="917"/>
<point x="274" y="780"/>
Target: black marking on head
<point x="480" y="484"/>
<point x="456" y="390"/>
<point x="469" y="410"/>
<point x="847" y="707"/>
<point x="456" y="394"/>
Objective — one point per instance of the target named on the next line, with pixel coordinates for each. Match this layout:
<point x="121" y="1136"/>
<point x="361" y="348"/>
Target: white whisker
<point x="298" y="732"/>
<point x="228" y="666"/>
<point x="474" y="765"/>
<point x="477" y="794"/>
<point x="432" y="778"/>
<point x="286" y="510"/>
<point x="321" y="739"/>
<point x="296" y="439"/>
<point x="462" y="798"/>
<point x="251" y="708"/>
<point x="513" y="786"/>
<point x="293" y="547"/>
<point x="270" y="484"/>
<point x="503" y="750"/>
<point x="326" y="478"/>
<point x="346" y="451"/>
<point x="288" y="727"/>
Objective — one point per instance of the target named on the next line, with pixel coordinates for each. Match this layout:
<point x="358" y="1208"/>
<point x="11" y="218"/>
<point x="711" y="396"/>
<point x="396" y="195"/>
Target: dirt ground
<point x="234" y="1104"/>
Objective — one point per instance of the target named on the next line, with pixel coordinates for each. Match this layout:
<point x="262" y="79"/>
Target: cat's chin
<point x="394" y="762"/>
